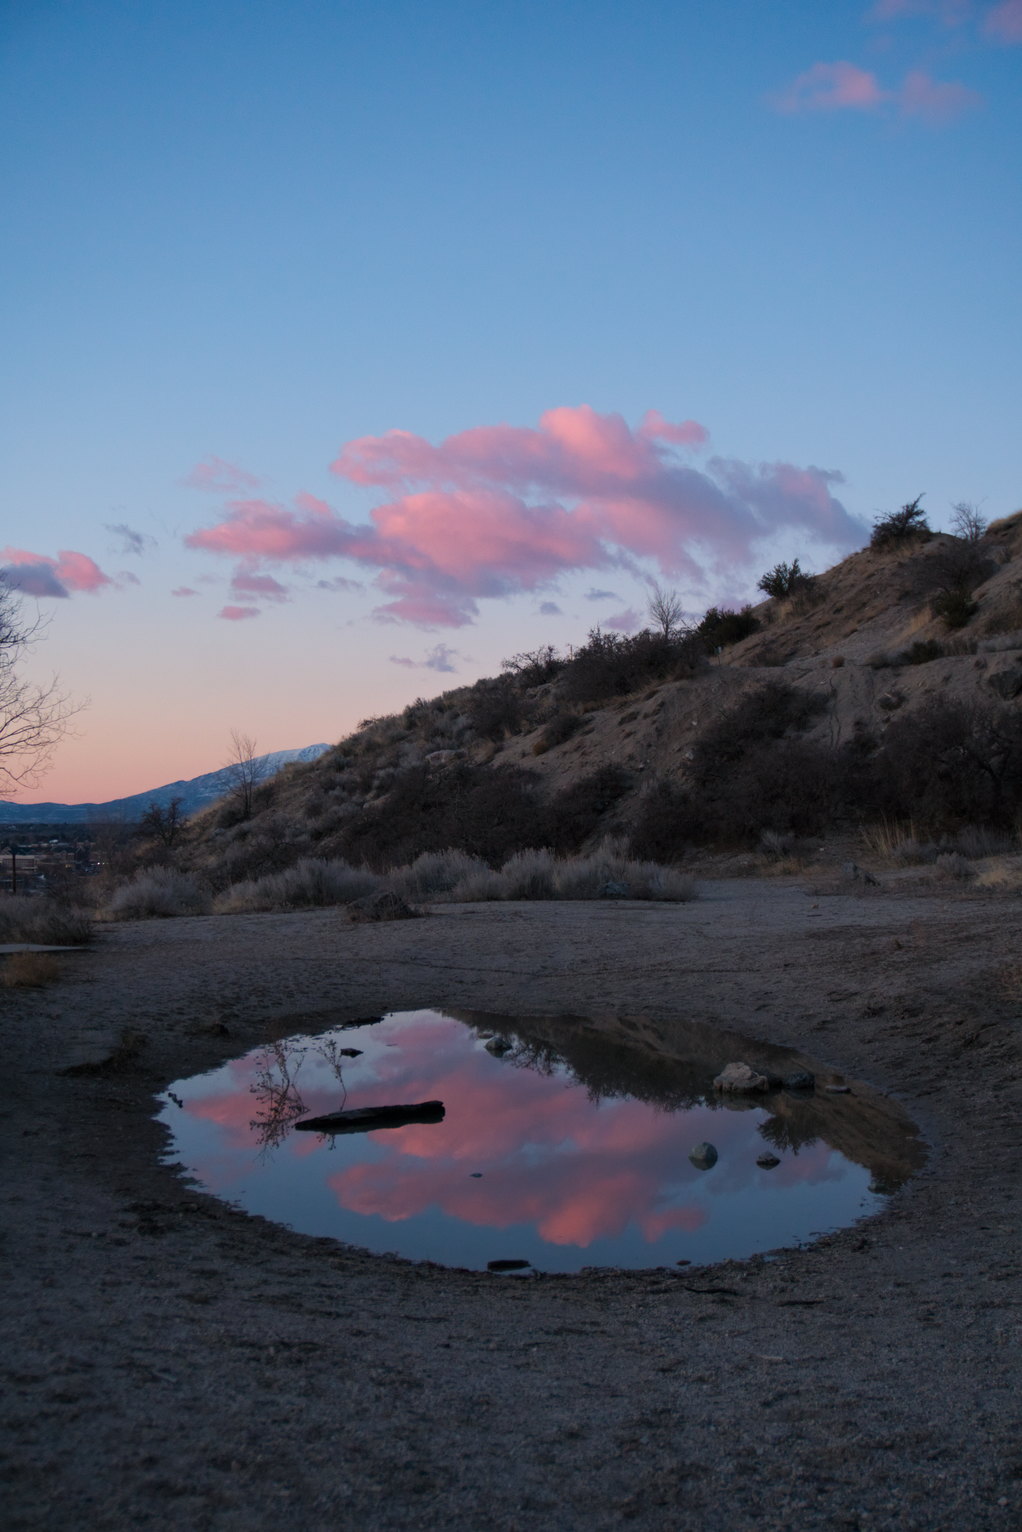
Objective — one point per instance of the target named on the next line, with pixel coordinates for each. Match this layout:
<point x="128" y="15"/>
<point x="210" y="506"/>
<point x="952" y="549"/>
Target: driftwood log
<point x="363" y="1119"/>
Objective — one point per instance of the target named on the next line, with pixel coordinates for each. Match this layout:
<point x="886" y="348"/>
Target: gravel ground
<point x="170" y="1362"/>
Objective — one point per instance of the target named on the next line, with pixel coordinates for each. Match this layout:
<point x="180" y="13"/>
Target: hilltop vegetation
<point x="883" y="691"/>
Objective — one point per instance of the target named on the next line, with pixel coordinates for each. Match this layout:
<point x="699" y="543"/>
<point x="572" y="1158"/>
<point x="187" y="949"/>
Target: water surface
<point x="570" y="1150"/>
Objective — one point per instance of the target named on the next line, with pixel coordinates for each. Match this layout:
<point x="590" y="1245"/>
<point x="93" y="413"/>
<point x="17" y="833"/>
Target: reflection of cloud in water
<point x="580" y="1163"/>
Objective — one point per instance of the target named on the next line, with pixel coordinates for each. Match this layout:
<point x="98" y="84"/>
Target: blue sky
<point x="257" y="233"/>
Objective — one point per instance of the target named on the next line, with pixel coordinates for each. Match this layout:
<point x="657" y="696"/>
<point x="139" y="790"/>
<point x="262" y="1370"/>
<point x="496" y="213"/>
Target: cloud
<point x="131" y="541"/>
<point x="832" y="87"/>
<point x="184" y="590"/>
<point x="550" y="609"/>
<point x="844" y="87"/>
<point x="624" y="622"/>
<point x="935" y="100"/>
<point x="592" y="594"/>
<point x="238" y="613"/>
<point x="261" y="587"/>
<point x="440" y="657"/>
<point x="950" y="13"/>
<point x="1004" y="23"/>
<point x="498" y="511"/>
<point x="220" y="477"/>
<point x="38" y="575"/>
<point x="339" y="583"/>
<point x="125" y="577"/>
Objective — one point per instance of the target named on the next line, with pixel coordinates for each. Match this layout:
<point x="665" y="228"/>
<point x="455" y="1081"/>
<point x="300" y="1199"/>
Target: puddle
<point x="569" y="1148"/>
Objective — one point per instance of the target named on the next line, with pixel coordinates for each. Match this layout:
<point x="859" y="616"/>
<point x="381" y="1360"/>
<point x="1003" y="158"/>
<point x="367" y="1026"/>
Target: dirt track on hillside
<point x="169" y="1362"/>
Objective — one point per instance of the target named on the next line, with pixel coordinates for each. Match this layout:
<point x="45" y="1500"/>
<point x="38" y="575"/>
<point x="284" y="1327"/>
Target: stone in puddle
<point x="802" y="1079"/>
<point x="740" y="1079"/>
<point x="703" y="1156"/>
<point x="767" y="1160"/>
<point x="499" y="1046"/>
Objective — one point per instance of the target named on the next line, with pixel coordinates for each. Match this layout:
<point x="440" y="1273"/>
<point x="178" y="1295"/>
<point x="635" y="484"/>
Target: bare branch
<point x="33" y="718"/>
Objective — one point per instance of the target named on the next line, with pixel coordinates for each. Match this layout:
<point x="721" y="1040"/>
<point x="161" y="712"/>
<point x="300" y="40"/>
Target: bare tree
<point x="244" y="771"/>
<point x="665" y="613"/>
<point x="967" y="522"/>
<point x="163" y="821"/>
<point x="33" y="718"/>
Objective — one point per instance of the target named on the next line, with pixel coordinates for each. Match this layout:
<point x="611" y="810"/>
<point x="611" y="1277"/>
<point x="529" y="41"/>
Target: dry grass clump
<point x="953" y="867"/>
<point x="24" y="919"/>
<point x="158" y="892"/>
<point x="1002" y="875"/>
<point x="606" y="874"/>
<point x="436" y="873"/>
<point x="30" y="970"/>
<point x="309" y="884"/>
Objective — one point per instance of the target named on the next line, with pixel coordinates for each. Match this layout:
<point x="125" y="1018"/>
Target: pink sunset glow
<point x="238" y="613"/>
<point x="497" y="511"/>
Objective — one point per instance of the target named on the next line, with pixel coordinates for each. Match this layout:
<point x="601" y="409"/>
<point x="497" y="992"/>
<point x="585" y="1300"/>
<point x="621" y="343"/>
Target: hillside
<point x="854" y="701"/>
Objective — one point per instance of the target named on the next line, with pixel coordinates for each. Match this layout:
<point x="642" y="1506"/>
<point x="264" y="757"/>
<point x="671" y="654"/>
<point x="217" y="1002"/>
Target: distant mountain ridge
<point x="194" y="794"/>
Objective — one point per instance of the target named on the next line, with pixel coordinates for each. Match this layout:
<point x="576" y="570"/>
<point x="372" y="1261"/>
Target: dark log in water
<point x="363" y="1119"/>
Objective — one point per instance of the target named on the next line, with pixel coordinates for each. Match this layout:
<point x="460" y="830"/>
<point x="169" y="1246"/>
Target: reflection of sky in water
<point x="562" y="1180"/>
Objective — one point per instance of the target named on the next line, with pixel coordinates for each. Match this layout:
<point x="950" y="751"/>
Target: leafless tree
<point x="967" y="522"/>
<point x="33" y="718"/>
<point x="163" y="821"/>
<point x="665" y="613"/>
<point x="244" y="771"/>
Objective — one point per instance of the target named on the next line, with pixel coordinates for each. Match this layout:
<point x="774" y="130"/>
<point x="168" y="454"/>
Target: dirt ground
<point x="170" y="1362"/>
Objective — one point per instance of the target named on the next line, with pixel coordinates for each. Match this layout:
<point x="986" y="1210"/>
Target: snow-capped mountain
<point x="194" y="794"/>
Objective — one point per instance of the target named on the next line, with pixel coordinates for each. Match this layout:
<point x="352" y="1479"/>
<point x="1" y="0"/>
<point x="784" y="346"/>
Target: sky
<point x="352" y="348"/>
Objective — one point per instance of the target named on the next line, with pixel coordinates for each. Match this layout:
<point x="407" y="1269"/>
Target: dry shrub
<point x="158" y="892"/>
<point x="24" y="919"/>
<point x="951" y="866"/>
<point x="309" y="884"/>
<point x="1001" y="875"/>
<point x="606" y="874"/>
<point x="436" y="872"/>
<point x="30" y="970"/>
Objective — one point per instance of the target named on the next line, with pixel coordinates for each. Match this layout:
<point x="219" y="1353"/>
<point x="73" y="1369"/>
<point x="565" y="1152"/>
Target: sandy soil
<point x="169" y="1362"/>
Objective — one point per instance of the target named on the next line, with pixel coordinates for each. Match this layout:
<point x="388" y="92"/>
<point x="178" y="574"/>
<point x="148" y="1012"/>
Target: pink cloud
<point x="261" y="586"/>
<point x="38" y="575"/>
<point x="220" y="477"/>
<point x="502" y="510"/>
<point x="238" y="613"/>
<point x="951" y="13"/>
<point x="843" y="87"/>
<point x="184" y="590"/>
<point x="935" y="100"/>
<point x="623" y="622"/>
<point x="1004" y="23"/>
<point x="832" y="87"/>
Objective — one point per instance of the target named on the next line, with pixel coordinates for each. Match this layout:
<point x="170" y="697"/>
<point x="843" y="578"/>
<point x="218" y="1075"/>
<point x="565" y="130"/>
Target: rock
<point x="740" y="1079"/>
<point x="350" y="1053"/>
<point x="1006" y="683"/>
<point x="612" y="890"/>
<point x="839" y="1090"/>
<point x="498" y="1046"/>
<point x="383" y="906"/>
<point x="802" y="1079"/>
<point x="767" y="1160"/>
<point x="703" y="1156"/>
